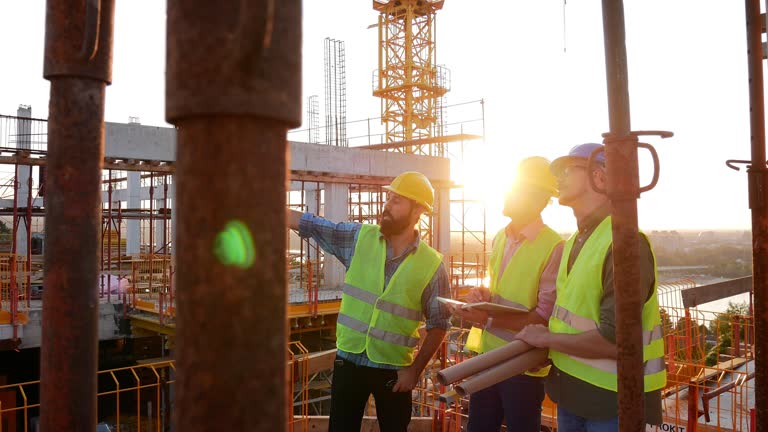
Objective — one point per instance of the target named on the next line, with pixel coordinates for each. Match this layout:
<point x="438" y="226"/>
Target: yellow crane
<point x="407" y="80"/>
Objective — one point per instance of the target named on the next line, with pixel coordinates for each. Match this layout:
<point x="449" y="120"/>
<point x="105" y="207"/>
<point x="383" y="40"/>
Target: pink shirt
<point x="547" y="283"/>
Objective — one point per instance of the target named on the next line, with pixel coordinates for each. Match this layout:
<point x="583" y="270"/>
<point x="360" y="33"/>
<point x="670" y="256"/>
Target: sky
<point x="537" y="64"/>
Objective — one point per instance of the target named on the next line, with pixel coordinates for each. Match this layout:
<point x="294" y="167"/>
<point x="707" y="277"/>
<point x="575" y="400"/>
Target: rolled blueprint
<point x="514" y="366"/>
<point x="482" y="362"/>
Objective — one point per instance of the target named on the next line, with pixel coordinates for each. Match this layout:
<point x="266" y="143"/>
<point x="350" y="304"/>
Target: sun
<point x="485" y="175"/>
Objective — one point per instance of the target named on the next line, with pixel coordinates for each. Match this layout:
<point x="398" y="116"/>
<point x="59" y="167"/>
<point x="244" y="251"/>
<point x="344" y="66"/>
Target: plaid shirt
<point x="339" y="239"/>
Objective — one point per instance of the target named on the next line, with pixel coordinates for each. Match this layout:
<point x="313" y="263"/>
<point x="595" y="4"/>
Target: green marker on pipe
<point x="234" y="245"/>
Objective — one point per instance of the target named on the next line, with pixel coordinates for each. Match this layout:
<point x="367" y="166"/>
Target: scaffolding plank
<point x="319" y="361"/>
<point x="694" y="297"/>
<point x="421" y="141"/>
<point x="725" y="366"/>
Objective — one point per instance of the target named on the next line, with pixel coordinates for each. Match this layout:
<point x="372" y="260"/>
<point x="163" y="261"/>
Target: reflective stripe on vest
<point x="377" y="333"/>
<point x="393" y="338"/>
<point x="401" y="311"/>
<point x="352" y="323"/>
<point x="360" y="294"/>
<point x="370" y="298"/>
<point x="585" y="324"/>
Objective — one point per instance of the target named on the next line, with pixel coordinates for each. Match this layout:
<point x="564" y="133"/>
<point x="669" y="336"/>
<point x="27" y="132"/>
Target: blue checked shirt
<point x="339" y="239"/>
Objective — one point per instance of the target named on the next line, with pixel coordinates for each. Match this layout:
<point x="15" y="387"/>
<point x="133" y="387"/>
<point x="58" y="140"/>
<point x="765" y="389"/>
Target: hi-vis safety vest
<point x="577" y="310"/>
<point x="518" y="286"/>
<point x="383" y="322"/>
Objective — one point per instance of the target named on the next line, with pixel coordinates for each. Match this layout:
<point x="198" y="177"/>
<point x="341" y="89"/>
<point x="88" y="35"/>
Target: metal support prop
<point x="623" y="190"/>
<point x="757" y="203"/>
<point x="78" y="62"/>
<point x="233" y="88"/>
<point x="693" y="406"/>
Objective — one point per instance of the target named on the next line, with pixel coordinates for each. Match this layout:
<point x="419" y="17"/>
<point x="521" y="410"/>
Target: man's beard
<point x="392" y="226"/>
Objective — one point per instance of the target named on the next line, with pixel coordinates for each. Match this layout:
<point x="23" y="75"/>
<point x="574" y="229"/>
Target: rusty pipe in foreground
<point x="623" y="189"/>
<point x="78" y="62"/>
<point x="233" y="88"/>
<point x="758" y="188"/>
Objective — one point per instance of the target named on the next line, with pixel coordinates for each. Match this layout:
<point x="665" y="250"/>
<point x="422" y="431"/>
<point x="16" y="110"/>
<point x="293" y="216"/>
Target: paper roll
<point x="482" y="362"/>
<point x="514" y="366"/>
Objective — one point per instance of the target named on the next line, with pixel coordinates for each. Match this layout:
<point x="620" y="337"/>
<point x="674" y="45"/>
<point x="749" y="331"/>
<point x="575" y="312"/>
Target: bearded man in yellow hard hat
<point x="391" y="286"/>
<point x="523" y="269"/>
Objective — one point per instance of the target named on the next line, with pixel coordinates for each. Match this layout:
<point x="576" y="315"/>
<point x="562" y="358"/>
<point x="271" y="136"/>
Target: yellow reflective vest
<point x="519" y="284"/>
<point x="577" y="310"/>
<point x="383" y="322"/>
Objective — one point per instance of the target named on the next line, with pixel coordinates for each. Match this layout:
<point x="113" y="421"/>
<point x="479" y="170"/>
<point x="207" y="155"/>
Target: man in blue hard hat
<point x="581" y="336"/>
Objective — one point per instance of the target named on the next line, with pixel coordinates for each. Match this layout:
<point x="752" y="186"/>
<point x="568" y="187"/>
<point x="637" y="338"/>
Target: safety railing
<point x="298" y="372"/>
<point x="151" y="285"/>
<point x="710" y="364"/>
<point x="14" y="295"/>
<point x="130" y="399"/>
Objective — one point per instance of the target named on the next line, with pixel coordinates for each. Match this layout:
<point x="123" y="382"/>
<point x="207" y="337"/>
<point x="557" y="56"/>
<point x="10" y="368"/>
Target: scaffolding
<point x="140" y="278"/>
<point x="21" y="138"/>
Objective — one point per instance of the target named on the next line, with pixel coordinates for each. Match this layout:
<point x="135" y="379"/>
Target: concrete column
<point x="159" y="222"/>
<point x="312" y="202"/>
<point x="133" y="232"/>
<point x="442" y="229"/>
<point x="172" y="205"/>
<point x="23" y="141"/>
<point x="336" y="209"/>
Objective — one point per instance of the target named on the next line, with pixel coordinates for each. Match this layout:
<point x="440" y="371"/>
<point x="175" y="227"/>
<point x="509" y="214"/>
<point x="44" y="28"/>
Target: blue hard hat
<point x="580" y="152"/>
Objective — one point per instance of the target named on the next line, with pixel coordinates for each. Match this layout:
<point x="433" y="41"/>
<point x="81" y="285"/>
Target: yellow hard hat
<point x="535" y="171"/>
<point x="415" y="186"/>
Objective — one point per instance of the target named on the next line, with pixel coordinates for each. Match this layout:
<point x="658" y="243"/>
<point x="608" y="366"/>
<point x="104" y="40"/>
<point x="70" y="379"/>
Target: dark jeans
<point x="569" y="422"/>
<point x="516" y="400"/>
<point x="350" y="389"/>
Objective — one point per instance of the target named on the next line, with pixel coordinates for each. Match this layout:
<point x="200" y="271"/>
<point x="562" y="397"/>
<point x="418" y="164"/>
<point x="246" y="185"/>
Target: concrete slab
<point x="31" y="333"/>
<point x="135" y="141"/>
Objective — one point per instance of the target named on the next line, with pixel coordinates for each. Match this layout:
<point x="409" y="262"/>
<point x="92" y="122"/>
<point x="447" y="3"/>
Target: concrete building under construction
<point x="146" y="288"/>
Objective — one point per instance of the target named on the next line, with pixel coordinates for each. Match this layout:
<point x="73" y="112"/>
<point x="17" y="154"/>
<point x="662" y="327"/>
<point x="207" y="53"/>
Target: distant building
<point x="705" y="236"/>
<point x="746" y="236"/>
<point x="666" y="240"/>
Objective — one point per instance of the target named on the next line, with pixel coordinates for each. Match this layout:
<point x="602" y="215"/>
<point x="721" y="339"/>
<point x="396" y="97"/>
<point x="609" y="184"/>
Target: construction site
<point x="130" y="303"/>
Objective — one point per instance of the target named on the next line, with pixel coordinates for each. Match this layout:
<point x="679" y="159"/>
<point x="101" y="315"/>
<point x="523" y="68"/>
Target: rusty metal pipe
<point x="757" y="203"/>
<point x="28" y="221"/>
<point x="69" y="352"/>
<point x="623" y="190"/>
<point x="233" y="87"/>
<point x="693" y="406"/>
